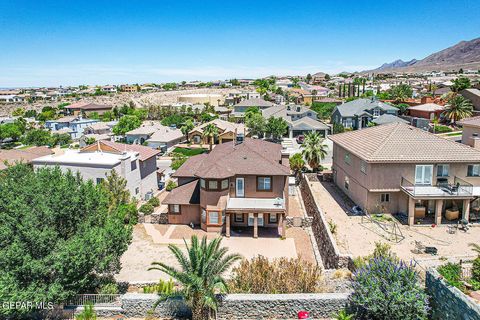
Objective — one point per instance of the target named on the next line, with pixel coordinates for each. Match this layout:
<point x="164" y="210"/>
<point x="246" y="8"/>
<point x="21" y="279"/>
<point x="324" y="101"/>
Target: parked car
<point x="300" y="139"/>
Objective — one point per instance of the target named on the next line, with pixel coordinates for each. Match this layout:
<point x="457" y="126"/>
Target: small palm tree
<point x="200" y="274"/>
<point x="297" y="164"/>
<point x="210" y="132"/>
<point x="88" y="313"/>
<point x="314" y="150"/>
<point x="475" y="247"/>
<point x="458" y="108"/>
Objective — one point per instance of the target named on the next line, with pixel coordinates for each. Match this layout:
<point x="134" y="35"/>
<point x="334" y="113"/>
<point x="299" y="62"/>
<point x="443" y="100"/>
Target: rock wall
<point x="280" y="306"/>
<point x="303" y="222"/>
<point x="447" y="302"/>
<point x="331" y="256"/>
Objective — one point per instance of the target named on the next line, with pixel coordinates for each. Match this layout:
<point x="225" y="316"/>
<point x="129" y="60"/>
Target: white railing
<point x="96" y="299"/>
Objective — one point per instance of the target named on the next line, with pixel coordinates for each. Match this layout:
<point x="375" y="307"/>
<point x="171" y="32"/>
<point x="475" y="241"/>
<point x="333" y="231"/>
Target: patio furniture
<point x="452" y="229"/>
<point x="420" y="212"/>
<point x="452" y="214"/>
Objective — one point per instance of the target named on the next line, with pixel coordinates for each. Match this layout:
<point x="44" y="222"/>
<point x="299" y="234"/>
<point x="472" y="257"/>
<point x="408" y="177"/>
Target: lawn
<point x="452" y="134"/>
<point x="189" y="152"/>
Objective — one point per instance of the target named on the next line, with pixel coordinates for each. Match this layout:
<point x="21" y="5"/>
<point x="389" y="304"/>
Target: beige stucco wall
<point x="467" y="133"/>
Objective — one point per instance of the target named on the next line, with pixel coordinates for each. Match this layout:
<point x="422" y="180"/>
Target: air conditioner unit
<point x="148" y="195"/>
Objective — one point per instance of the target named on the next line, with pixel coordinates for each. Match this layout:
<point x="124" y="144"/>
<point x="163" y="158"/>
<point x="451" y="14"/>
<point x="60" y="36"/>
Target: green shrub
<point x="386" y="288"/>
<point x="476" y="269"/>
<point x="382" y="250"/>
<point x="343" y="315"/>
<point x="146" y="208"/>
<point x="442" y="129"/>
<point x="88" y="313"/>
<point x="154" y="202"/>
<point x="171" y="185"/>
<point x="283" y="275"/>
<point x="108" y="288"/>
<point x="452" y="273"/>
<point x="163" y="287"/>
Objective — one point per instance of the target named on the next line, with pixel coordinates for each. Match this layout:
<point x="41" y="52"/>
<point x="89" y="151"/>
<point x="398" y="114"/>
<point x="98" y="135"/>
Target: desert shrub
<point x="162" y="287"/>
<point x="342" y="274"/>
<point x="343" y="315"/>
<point x="452" y="273"/>
<point x="442" y="129"/>
<point x="146" y="208"/>
<point x="332" y="226"/>
<point x="171" y="185"/>
<point x="155" y="202"/>
<point x="88" y="313"/>
<point x="476" y="269"/>
<point x="283" y="275"/>
<point x="108" y="288"/>
<point x="382" y="250"/>
<point x="386" y="288"/>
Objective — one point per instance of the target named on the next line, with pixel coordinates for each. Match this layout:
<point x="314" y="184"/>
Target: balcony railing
<point x="459" y="188"/>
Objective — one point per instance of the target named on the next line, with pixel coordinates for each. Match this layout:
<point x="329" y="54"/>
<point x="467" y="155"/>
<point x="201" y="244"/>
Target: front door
<point x="259" y="219"/>
<point x="240" y="187"/>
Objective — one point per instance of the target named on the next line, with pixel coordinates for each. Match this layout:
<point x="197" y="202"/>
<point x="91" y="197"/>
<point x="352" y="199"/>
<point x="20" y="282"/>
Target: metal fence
<point x="95" y="299"/>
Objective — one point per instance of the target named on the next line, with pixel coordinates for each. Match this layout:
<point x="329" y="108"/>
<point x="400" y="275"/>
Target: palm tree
<point x="475" y="247"/>
<point x="314" y="150"/>
<point x="297" y="164"/>
<point x="210" y="131"/>
<point x="458" y="108"/>
<point x="187" y="127"/>
<point x="200" y="274"/>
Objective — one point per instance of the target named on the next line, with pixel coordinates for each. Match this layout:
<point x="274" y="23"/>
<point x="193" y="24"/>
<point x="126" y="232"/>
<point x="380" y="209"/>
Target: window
<point x="423" y="174"/>
<point x="175" y="208"/>
<point x="239" y="217"/>
<point x="473" y="170"/>
<point x="347" y="158"/>
<point x="347" y="183"/>
<point x="272" y="218"/>
<point x="212" y="184"/>
<point x="442" y="170"/>
<point x="133" y="165"/>
<point x="202" y="183"/>
<point x="204" y="216"/>
<point x="264" y="183"/>
<point x="363" y="167"/>
<point x="385" y="197"/>
<point x="99" y="180"/>
<point x="224" y="184"/>
<point x="376" y="112"/>
<point x="213" y="217"/>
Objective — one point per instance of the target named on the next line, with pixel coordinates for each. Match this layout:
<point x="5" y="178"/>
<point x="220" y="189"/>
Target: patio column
<point x="438" y="211"/>
<point x="411" y="211"/>
<point x="466" y="209"/>
<point x="227" y="224"/>
<point x="282" y="224"/>
<point x="255" y="225"/>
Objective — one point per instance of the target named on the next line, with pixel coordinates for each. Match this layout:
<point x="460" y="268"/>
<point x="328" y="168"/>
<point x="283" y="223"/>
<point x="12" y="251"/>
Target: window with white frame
<point x="224" y="184"/>
<point x="212" y="184"/>
<point x="442" y="170"/>
<point x="376" y="112"/>
<point x="175" y="208"/>
<point x="473" y="170"/>
<point x="213" y="217"/>
<point x="423" y="174"/>
<point x="385" y="197"/>
<point x="264" y="183"/>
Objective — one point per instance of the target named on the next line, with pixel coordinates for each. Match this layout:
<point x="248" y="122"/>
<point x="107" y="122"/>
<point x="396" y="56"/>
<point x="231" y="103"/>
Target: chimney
<point x="475" y="141"/>
<point x="285" y="158"/>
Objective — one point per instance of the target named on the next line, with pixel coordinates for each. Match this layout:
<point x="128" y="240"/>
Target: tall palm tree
<point x="314" y="150"/>
<point x="200" y="274"/>
<point x="458" y="108"/>
<point x="210" y="132"/>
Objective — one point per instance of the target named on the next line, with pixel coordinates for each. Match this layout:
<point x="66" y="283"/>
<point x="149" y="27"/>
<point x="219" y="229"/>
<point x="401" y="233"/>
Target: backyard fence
<point x="95" y="299"/>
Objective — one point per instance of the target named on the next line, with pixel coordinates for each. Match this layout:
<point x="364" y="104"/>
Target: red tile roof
<point x="24" y="155"/>
<point x="144" y="152"/>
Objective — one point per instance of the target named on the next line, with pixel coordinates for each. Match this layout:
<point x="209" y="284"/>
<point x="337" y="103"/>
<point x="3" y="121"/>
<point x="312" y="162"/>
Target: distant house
<point x="13" y="156"/>
<point x="85" y="108"/>
<point x="10" y="98"/>
<point x="358" y="113"/>
<point x="471" y="131"/>
<point x="136" y="164"/>
<point x="155" y="135"/>
<point x="129" y="88"/>
<point x="226" y="132"/>
<point x="109" y="89"/>
<point x="474" y="96"/>
<point x="300" y="119"/>
<point x="388" y="118"/>
<point x="319" y="77"/>
<point x="72" y="125"/>
<point x="96" y="132"/>
<point x="427" y="111"/>
<point x="240" y="108"/>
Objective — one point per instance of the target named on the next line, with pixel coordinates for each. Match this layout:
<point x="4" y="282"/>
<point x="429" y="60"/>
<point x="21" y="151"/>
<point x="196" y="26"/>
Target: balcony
<point x="255" y="204"/>
<point x="443" y="189"/>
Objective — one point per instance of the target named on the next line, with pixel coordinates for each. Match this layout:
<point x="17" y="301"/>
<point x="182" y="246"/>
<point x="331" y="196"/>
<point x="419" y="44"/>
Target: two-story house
<point x="226" y="132"/>
<point x="239" y="184"/>
<point x="400" y="169"/>
<point x="72" y="125"/>
<point x="357" y="114"/>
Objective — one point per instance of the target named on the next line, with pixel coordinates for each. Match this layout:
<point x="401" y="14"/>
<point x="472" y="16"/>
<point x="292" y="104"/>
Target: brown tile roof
<point x="471" y="122"/>
<point x="398" y="142"/>
<point x="252" y="157"/>
<point x="144" y="152"/>
<point x="24" y="155"/>
<point x="188" y="193"/>
<point x="88" y="106"/>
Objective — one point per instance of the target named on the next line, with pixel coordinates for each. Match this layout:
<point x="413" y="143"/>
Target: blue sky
<point x="112" y="42"/>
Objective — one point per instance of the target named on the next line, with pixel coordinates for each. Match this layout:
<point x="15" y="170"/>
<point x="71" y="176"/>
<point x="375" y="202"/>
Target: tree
<point x="61" y="139"/>
<point x="108" y="116"/>
<point x="200" y="273"/>
<point x="187" y="127"/>
<point x="401" y="92"/>
<point x="19" y="112"/>
<point x="460" y="84"/>
<point x="37" y="137"/>
<point x="10" y="131"/>
<point x="125" y="124"/>
<point x="338" y="128"/>
<point x="458" y="108"/>
<point x="276" y="128"/>
<point x="210" y="132"/>
<point x="297" y="163"/>
<point x="295" y="82"/>
<point x="324" y="110"/>
<point x="251" y="111"/>
<point x="309" y="78"/>
<point x="402" y="108"/>
<point x="174" y="119"/>
<point x="116" y="188"/>
<point x="57" y="236"/>
<point x="256" y="124"/>
<point x="314" y="150"/>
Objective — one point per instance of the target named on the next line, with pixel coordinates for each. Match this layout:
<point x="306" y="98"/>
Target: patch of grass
<point x="189" y="152"/>
<point x="453" y="134"/>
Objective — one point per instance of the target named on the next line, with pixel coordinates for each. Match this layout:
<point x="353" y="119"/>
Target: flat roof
<point x="85" y="158"/>
<point x="255" y="203"/>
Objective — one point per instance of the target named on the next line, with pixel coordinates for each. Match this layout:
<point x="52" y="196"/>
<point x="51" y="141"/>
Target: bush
<point x="476" y="269"/>
<point x="171" y="185"/>
<point x="259" y="275"/>
<point x="108" y="288"/>
<point x="163" y="287"/>
<point x="386" y="288"/>
<point x="154" y="202"/>
<point x="442" y="129"/>
<point x="452" y="273"/>
<point x="146" y="208"/>
<point x="382" y="250"/>
<point x="88" y="313"/>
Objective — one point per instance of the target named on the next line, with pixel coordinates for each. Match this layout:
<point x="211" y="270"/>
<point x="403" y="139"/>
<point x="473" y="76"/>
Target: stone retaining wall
<point x="331" y="256"/>
<point x="447" y="302"/>
<point x="155" y="218"/>
<point x="303" y="222"/>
